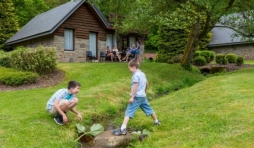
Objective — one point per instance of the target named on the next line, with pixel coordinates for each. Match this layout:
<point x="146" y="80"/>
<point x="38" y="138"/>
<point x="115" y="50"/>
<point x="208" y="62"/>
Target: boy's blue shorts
<point x="138" y="102"/>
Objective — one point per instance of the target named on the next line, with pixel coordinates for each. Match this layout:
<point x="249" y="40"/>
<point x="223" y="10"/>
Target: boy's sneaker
<point x="157" y="123"/>
<point x="119" y="132"/>
<point x="59" y="119"/>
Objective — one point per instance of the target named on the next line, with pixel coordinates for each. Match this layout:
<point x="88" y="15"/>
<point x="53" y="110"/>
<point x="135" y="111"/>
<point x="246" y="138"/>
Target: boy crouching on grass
<point x="62" y="101"/>
<point x="138" y="97"/>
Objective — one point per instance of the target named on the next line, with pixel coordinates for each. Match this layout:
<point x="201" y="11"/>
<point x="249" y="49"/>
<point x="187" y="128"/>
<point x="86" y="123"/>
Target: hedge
<point x="221" y="59"/>
<point x="10" y="76"/>
<point x="231" y="58"/>
<point x="239" y="61"/>
<point x="200" y="61"/>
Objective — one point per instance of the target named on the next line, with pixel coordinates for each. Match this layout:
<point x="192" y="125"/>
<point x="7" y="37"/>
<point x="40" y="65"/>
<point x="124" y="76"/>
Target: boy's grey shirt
<point x="140" y="78"/>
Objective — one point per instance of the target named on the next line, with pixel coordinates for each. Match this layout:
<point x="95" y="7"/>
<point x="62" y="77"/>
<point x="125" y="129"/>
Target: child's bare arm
<point x="134" y="91"/>
<point x="76" y="112"/>
<point x="146" y="86"/>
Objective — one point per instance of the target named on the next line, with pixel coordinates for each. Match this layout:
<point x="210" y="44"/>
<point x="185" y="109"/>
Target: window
<point x="114" y="41"/>
<point x="109" y="41"/>
<point x="132" y="40"/>
<point x="68" y="39"/>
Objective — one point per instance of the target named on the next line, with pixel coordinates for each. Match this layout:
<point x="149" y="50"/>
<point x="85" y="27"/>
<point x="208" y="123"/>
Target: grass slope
<point x="217" y="112"/>
<point x="24" y="121"/>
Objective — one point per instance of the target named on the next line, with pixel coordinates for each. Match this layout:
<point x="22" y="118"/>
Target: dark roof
<point x="47" y="22"/>
<point x="223" y="37"/>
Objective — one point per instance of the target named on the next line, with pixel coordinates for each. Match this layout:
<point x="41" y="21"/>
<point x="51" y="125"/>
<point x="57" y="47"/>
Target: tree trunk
<point x="192" y="44"/>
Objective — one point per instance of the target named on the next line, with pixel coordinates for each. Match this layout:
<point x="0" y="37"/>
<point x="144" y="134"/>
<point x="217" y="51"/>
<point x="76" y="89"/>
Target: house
<point x="73" y="28"/>
<point x="223" y="42"/>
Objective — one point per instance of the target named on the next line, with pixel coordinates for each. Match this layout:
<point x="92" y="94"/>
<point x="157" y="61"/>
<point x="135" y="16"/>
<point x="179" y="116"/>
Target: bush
<point x="40" y="60"/>
<point x="209" y="55"/>
<point x="231" y="58"/>
<point x="212" y="56"/>
<point x="197" y="53"/>
<point x="177" y="58"/>
<point x="221" y="59"/>
<point x="239" y="61"/>
<point x="14" y="77"/>
<point x="199" y="60"/>
<point x="4" y="59"/>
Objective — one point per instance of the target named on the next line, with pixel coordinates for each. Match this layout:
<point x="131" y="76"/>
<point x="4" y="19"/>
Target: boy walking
<point x="138" y="97"/>
<point x="62" y="101"/>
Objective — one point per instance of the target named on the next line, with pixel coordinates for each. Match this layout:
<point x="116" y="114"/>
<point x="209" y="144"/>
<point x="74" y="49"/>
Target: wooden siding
<point x="84" y="21"/>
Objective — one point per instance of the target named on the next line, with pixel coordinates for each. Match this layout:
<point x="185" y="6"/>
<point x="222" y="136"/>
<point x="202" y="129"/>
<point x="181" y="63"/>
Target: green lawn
<point x="217" y="112"/>
<point x="24" y="121"/>
<point x="249" y="62"/>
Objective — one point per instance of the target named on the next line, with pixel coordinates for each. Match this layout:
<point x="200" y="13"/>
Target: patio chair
<point x="102" y="56"/>
<point x="89" y="56"/>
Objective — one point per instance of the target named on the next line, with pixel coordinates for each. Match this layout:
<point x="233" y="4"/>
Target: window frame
<point x="73" y="39"/>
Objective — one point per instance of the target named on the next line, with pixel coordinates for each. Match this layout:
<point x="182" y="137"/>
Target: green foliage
<point x="231" y="58"/>
<point x="41" y="60"/>
<point x="151" y="43"/>
<point x="4" y="59"/>
<point x="171" y="43"/>
<point x="221" y="59"/>
<point x="239" y="60"/>
<point x="209" y="55"/>
<point x="177" y="58"/>
<point x="96" y="129"/>
<point x="197" y="53"/>
<point x="200" y="61"/>
<point x="13" y="77"/>
<point x="8" y="22"/>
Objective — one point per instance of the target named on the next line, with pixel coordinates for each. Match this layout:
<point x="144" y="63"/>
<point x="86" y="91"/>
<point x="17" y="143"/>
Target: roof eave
<point x="28" y="38"/>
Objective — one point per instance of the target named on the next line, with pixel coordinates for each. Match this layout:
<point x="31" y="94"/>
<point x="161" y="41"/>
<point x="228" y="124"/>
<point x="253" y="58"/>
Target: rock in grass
<point x="107" y="140"/>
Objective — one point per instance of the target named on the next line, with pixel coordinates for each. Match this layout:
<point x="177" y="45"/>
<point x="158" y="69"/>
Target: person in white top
<point x="117" y="53"/>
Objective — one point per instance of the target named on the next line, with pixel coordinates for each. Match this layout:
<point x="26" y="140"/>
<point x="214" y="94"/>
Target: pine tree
<point x="8" y="21"/>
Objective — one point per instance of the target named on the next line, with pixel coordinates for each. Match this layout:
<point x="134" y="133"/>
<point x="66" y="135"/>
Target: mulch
<point x="52" y="79"/>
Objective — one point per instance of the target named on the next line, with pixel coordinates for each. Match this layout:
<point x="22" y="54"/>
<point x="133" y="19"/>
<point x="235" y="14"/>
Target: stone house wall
<point x="246" y="51"/>
<point x="80" y="47"/>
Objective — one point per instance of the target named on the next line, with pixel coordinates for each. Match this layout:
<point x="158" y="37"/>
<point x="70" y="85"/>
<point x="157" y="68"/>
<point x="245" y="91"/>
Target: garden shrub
<point x="221" y="59"/>
<point x="209" y="55"/>
<point x="231" y="58"/>
<point x="212" y="56"/>
<point x="239" y="61"/>
<point x="14" y="77"/>
<point x="177" y="58"/>
<point x="4" y="59"/>
<point x="41" y="60"/>
<point x="200" y="61"/>
<point x="197" y="53"/>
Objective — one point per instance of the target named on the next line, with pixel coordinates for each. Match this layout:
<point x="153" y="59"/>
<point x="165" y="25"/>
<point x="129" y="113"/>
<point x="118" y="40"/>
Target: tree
<point x="8" y="22"/>
<point x="185" y="14"/>
<point x="27" y="9"/>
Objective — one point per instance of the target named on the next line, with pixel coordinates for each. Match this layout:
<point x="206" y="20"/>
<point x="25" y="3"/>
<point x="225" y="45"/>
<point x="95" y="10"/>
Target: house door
<point x="93" y="43"/>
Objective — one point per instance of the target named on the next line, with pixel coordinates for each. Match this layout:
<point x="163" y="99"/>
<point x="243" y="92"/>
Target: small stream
<point x="109" y="122"/>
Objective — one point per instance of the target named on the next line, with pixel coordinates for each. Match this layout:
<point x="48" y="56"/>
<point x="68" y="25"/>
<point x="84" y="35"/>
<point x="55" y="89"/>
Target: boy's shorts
<point x="53" y="111"/>
<point x="139" y="102"/>
<point x="137" y="51"/>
